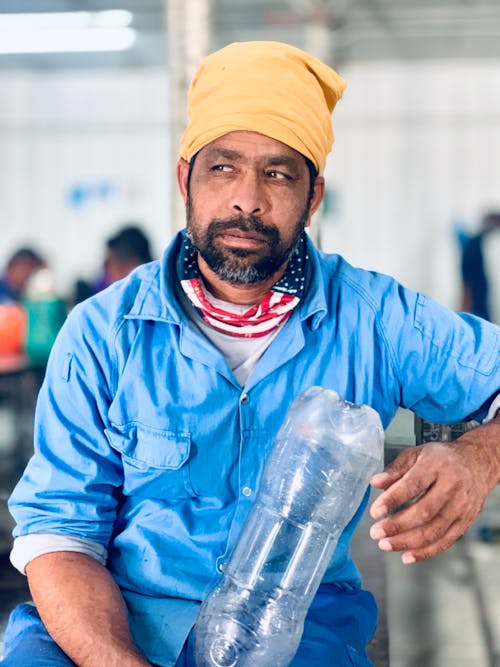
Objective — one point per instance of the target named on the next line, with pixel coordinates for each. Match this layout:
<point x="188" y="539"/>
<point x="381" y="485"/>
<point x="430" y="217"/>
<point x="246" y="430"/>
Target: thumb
<point x="396" y="469"/>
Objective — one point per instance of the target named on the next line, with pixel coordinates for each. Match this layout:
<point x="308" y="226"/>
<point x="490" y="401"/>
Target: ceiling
<point x="357" y="29"/>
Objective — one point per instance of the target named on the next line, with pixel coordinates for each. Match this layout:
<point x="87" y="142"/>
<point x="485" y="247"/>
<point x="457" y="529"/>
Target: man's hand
<point x="432" y="493"/>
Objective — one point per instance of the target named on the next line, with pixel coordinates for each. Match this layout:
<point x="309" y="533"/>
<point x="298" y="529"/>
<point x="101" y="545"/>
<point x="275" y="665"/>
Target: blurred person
<point x="163" y="394"/>
<point x="18" y="270"/>
<point x="480" y="268"/>
<point x="125" y="250"/>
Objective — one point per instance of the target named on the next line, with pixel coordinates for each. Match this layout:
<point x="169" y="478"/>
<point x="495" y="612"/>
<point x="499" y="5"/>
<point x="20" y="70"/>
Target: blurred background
<point x="88" y="139"/>
<point x="92" y="105"/>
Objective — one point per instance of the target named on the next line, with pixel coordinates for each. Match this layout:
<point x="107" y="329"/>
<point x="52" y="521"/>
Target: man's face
<point x="20" y="271"/>
<point x="116" y="267"/>
<point x="247" y="205"/>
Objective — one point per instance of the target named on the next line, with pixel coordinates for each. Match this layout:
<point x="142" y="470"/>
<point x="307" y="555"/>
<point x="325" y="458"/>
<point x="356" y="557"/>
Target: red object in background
<point x="12" y="328"/>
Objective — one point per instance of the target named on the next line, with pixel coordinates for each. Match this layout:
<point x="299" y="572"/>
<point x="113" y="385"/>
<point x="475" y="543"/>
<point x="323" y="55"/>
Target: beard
<point x="240" y="266"/>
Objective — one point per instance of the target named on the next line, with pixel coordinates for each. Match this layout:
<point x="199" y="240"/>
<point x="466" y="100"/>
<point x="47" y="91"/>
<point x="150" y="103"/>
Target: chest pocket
<point x="154" y="462"/>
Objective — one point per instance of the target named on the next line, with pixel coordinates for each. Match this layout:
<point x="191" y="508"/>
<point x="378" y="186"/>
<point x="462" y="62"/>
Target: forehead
<point x="244" y="144"/>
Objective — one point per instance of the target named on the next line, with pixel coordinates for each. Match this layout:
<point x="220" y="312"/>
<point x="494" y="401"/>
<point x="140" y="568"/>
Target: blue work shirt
<point x="147" y="444"/>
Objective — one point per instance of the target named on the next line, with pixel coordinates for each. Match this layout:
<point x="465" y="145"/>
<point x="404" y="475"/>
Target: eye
<point x="279" y="175"/>
<point x="220" y="167"/>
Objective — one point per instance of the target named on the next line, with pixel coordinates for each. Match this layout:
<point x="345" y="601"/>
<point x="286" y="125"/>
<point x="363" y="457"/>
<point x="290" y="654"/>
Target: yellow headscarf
<point x="267" y="87"/>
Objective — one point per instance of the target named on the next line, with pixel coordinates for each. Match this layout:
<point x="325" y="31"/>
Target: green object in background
<point x="44" y="318"/>
<point x="45" y="315"/>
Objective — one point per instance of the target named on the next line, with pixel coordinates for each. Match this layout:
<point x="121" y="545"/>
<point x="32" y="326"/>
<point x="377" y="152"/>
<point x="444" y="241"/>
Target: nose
<point x="248" y="197"/>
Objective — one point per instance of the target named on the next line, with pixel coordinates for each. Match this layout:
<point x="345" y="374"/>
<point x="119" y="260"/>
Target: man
<point x="125" y="250"/>
<point x="164" y="392"/>
<point x="18" y="270"/>
<point x="481" y="270"/>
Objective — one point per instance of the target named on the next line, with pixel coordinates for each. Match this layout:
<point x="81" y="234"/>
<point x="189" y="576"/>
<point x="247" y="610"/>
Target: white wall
<point x="418" y="145"/>
<point x="418" y="149"/>
<point x="103" y="134"/>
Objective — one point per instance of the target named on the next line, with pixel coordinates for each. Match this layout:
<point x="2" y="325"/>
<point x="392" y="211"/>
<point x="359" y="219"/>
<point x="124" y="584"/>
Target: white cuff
<point x="494" y="408"/>
<point x="28" y="547"/>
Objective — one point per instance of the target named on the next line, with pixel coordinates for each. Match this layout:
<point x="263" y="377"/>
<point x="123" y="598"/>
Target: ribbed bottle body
<point x="312" y="484"/>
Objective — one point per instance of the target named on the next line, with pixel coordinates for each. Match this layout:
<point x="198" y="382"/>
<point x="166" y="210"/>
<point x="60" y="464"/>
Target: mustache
<point x="244" y="223"/>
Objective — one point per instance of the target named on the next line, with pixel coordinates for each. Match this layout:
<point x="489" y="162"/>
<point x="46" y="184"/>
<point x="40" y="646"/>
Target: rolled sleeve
<point x="28" y="547"/>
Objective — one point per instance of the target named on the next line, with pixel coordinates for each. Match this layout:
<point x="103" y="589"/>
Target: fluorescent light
<point x="113" y="18"/>
<point x="61" y="41"/>
<point x="59" y="32"/>
<point x="43" y="21"/>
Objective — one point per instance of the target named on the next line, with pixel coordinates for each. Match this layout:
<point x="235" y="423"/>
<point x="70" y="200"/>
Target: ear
<point x="317" y="198"/>
<point x="182" y="178"/>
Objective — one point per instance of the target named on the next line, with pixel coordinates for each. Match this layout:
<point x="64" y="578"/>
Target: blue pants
<point x="334" y="634"/>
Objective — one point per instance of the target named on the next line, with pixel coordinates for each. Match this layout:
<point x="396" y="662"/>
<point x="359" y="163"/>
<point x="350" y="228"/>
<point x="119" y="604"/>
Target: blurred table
<point x="20" y="381"/>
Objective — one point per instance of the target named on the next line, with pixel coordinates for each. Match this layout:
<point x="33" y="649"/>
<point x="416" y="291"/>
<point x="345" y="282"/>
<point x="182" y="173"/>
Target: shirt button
<point x="246" y="491"/>
<point x="244" y="399"/>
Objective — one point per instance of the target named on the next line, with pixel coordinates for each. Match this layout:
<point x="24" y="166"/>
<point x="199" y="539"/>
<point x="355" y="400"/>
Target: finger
<point x="455" y="531"/>
<point x="407" y="489"/>
<point x="420" y="537"/>
<point x="396" y="469"/>
<point x="381" y="480"/>
<point x="432" y="504"/>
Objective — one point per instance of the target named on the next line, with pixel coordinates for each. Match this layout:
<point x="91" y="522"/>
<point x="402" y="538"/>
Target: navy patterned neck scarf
<point x="259" y="319"/>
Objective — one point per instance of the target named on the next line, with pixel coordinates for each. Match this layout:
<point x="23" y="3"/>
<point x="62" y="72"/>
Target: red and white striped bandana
<point x="257" y="320"/>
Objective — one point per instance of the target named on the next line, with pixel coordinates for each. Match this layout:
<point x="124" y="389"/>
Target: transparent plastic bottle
<point x="313" y="482"/>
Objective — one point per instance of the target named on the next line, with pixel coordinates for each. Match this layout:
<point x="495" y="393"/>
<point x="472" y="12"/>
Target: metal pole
<point x="188" y="36"/>
<point x="318" y="41"/>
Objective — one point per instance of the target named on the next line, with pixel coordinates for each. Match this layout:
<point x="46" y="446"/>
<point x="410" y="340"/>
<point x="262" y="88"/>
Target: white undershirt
<point x="241" y="353"/>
